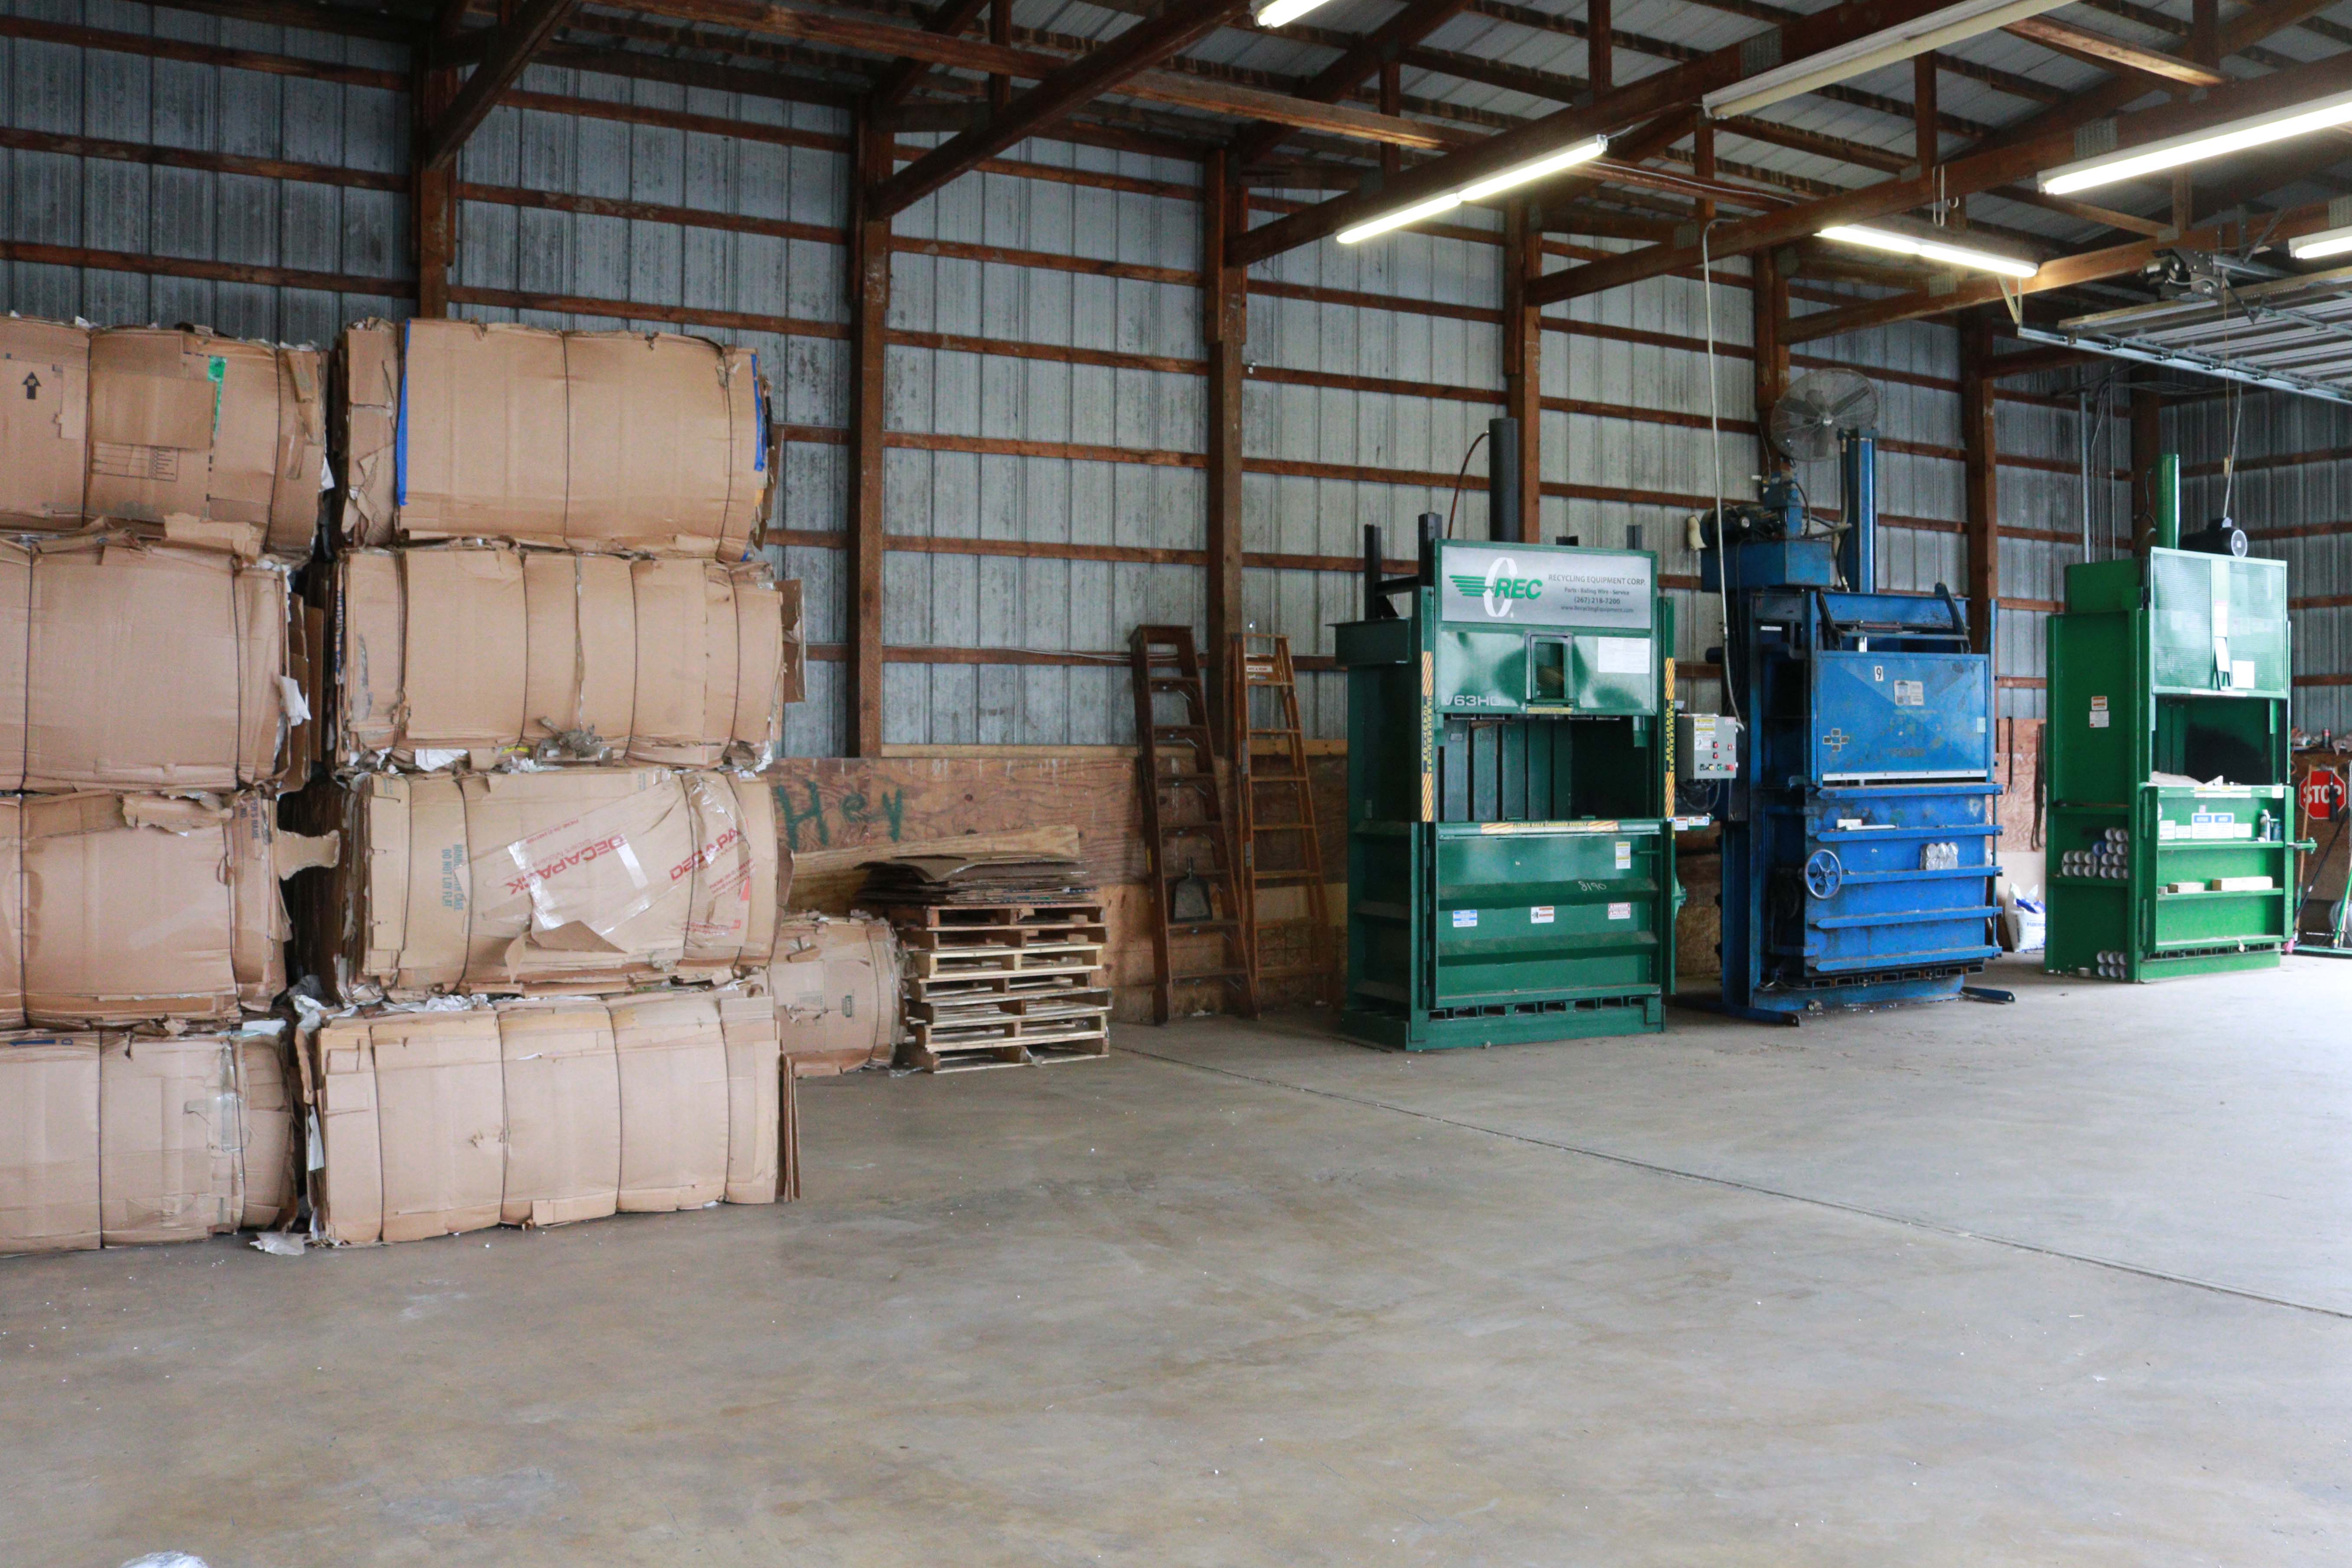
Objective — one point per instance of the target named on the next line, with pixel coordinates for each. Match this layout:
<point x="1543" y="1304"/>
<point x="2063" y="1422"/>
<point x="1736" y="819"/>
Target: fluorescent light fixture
<point x="1584" y="151"/>
<point x="2195" y="146"/>
<point x="2327" y="242"/>
<point x="1886" y="47"/>
<point x="1276" y="12"/>
<point x="1905" y="236"/>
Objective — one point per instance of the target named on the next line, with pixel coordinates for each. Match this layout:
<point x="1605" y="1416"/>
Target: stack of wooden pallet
<point x="1003" y="959"/>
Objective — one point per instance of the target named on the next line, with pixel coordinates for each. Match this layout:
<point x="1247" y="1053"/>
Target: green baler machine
<point x="1510" y="851"/>
<point x="2167" y="674"/>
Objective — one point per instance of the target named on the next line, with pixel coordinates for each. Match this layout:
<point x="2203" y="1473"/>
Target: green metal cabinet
<point x="1510" y="855"/>
<point x="2173" y="668"/>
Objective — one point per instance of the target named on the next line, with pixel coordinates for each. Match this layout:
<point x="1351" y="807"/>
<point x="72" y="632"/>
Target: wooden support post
<point x="433" y="195"/>
<point x="1980" y="481"/>
<point x="1523" y="358"/>
<point x="1391" y="102"/>
<point x="1000" y="31"/>
<point x="1224" y="323"/>
<point x="869" y="316"/>
<point x="1771" y="334"/>
<point x="1600" y="47"/>
<point x="2146" y="446"/>
<point x="1926" y="146"/>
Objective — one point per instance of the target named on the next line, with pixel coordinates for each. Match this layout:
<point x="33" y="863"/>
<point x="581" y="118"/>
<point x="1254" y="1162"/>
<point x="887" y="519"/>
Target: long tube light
<point x="1903" y="236"/>
<point x="1277" y="13"/>
<point x="1934" y="30"/>
<point x="2327" y="242"/>
<point x="1567" y="157"/>
<point x="2195" y="146"/>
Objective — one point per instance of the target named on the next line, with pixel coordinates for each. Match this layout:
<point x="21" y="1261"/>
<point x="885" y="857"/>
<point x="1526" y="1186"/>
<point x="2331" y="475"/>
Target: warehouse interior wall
<point x="1045" y="402"/>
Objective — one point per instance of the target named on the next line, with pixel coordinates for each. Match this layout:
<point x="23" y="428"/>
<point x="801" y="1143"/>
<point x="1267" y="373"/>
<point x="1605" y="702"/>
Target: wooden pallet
<point x="983" y="1007"/>
<point x="1044" y="958"/>
<point x="971" y="987"/>
<point x="976" y="1033"/>
<point x="990" y="915"/>
<point x="1040" y="1051"/>
<point x="929" y="939"/>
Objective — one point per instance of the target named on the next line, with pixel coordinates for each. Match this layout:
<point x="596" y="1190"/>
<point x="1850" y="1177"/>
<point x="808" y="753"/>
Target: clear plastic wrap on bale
<point x="563" y="881"/>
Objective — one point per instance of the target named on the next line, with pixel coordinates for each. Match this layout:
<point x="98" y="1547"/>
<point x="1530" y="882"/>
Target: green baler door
<point x="2220" y="623"/>
<point x="1545" y="911"/>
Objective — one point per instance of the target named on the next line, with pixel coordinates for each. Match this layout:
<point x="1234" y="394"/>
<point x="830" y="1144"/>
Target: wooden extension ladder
<point x="1273" y="817"/>
<point x="1185" y="834"/>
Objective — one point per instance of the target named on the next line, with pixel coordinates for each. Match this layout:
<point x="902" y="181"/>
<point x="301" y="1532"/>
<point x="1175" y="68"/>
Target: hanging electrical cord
<point x="1458" y="478"/>
<point x="1715" y="452"/>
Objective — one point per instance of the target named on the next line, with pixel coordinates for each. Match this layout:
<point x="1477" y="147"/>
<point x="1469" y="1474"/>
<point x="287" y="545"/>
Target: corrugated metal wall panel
<point x="102" y="204"/>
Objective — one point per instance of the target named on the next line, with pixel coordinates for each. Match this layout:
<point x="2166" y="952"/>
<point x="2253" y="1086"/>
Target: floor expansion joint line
<point x="1736" y="1184"/>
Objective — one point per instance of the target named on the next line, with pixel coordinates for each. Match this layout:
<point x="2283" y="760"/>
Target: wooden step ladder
<point x="1184" y="831"/>
<point x="1273" y="817"/>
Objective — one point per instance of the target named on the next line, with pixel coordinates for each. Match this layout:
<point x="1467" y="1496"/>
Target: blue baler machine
<point x="1859" y="834"/>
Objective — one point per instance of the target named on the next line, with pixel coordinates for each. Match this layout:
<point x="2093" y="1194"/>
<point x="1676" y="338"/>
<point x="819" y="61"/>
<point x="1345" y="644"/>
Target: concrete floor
<point x="2063" y="1282"/>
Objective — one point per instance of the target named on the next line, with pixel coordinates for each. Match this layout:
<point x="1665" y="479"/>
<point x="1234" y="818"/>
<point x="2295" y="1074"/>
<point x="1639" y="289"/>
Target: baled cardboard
<point x="128" y="909"/>
<point x="835" y="983"/>
<point x="44" y="422"/>
<point x="143" y="1137"/>
<point x="568" y="882"/>
<point x="185" y="426"/>
<point x="367" y="369"/>
<point x="467" y="653"/>
<point x="754" y="1090"/>
<point x="580" y="683"/>
<point x="266" y="1103"/>
<point x="169" y="1137"/>
<point x="673" y="1100"/>
<point x="440" y="1096"/>
<point x="653" y="442"/>
<point x="346" y="1176"/>
<point x="484" y="441"/>
<point x="434" y="1120"/>
<point x="463" y="646"/>
<point x="11" y="914"/>
<point x="563" y="1113"/>
<point x="141" y="909"/>
<point x="49" y="1144"/>
<point x="142" y="667"/>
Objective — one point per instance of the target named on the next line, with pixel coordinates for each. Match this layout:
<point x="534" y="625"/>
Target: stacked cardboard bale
<point x="556" y="666"/>
<point x="159" y="486"/>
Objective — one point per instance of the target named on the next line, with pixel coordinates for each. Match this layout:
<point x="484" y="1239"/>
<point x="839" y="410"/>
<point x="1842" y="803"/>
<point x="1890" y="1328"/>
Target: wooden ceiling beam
<point x="1141" y="49"/>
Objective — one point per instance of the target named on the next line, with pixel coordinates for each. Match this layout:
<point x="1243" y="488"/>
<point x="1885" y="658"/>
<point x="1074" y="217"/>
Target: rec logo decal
<point x="1500" y="587"/>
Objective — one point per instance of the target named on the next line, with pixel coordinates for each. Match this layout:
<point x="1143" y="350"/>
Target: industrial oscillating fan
<point x="1809" y="416"/>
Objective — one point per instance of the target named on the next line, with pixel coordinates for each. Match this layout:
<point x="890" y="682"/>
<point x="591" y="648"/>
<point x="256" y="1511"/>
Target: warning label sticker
<point x="1621" y="911"/>
<point x="1540" y="914"/>
<point x="1464" y="918"/>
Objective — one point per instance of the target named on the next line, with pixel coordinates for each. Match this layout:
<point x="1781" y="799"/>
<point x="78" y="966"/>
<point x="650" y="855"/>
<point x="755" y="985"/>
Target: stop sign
<point x="2322" y="794"/>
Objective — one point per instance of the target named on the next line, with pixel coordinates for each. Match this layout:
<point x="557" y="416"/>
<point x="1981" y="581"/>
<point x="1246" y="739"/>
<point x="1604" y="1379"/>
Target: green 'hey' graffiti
<point x="852" y="810"/>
